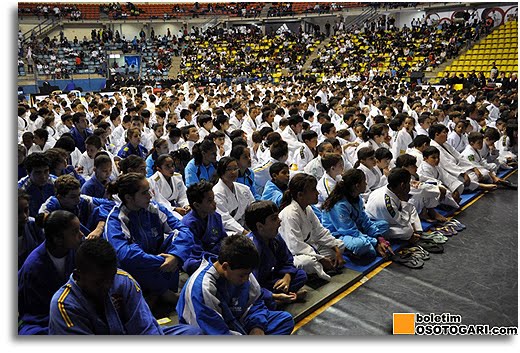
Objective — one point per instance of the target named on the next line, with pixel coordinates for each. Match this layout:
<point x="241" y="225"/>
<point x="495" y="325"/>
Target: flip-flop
<point x="437" y="237"/>
<point x="457" y="223"/>
<point x="431" y="246"/>
<point x="445" y="230"/>
<point x="457" y="226"/>
<point x="408" y="260"/>
<point x="417" y="251"/>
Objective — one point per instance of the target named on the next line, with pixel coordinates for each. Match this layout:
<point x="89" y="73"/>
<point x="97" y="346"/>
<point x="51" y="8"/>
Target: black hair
<point x="36" y="160"/>
<point x="101" y="158"/>
<point x="430" y="150"/>
<point x="475" y="137"/>
<point x="419" y="140"/>
<point x="41" y="133"/>
<point x="298" y="183"/>
<point x="376" y="130"/>
<point x="93" y="140"/>
<point x="309" y="135"/>
<point x="277" y="167"/>
<point x="398" y="176"/>
<point x="405" y="160"/>
<point x="125" y="184"/>
<point x="365" y="152"/>
<point x="66" y="142"/>
<point x="131" y="162"/>
<point x="54" y="224"/>
<point x="279" y="149"/>
<point x="222" y="165"/>
<point x="326" y="127"/>
<point x="161" y="159"/>
<point x="492" y="134"/>
<point x="383" y="153"/>
<point x="344" y="188"/>
<point x="196" y="192"/>
<point x="436" y="129"/>
<point x="237" y="151"/>
<point x="239" y="252"/>
<point x="258" y="211"/>
<point x="205" y="146"/>
<point x="95" y="255"/>
<point x="329" y="160"/>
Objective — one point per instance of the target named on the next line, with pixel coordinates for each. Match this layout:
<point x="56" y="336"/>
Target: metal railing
<point x="40" y="29"/>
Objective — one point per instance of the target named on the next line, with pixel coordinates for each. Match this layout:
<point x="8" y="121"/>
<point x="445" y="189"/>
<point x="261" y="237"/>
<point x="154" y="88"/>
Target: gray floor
<point x="476" y="277"/>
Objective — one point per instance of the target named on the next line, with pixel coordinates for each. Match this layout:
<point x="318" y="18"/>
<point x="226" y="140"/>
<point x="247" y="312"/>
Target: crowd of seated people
<point x="231" y="53"/>
<point x="382" y="50"/>
<point x="333" y="165"/>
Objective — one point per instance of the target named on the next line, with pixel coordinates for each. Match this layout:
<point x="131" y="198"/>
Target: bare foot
<point x="487" y="187"/>
<point x="301" y="294"/>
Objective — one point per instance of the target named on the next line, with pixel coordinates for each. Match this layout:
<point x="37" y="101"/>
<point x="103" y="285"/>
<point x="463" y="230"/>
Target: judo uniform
<point x="302" y="156"/>
<point x="350" y="223"/>
<point x="401" y="216"/>
<point x="474" y="156"/>
<point x="94" y="188"/>
<point x="139" y="236"/>
<point x="307" y="239"/>
<point x="325" y="186"/>
<point x="452" y="162"/>
<point x="248" y="179"/>
<point x="232" y="204"/>
<point x="262" y="175"/>
<point x="217" y="307"/>
<point x="195" y="173"/>
<point x="38" y="195"/>
<point x="375" y="179"/>
<point x="128" y="149"/>
<point x="84" y="210"/>
<point x="458" y="142"/>
<point x="28" y="241"/>
<point x="38" y="280"/>
<point x="437" y="176"/>
<point x="315" y="168"/>
<point x="207" y="235"/>
<point x="71" y="313"/>
<point x="170" y="194"/>
<point x="276" y="260"/>
<point x="272" y="193"/>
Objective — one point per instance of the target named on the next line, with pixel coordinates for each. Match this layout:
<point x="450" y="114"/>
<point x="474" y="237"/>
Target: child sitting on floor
<point x="280" y="280"/>
<point x="275" y="187"/>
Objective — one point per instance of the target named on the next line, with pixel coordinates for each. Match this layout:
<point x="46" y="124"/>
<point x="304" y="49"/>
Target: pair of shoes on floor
<point x="455" y="224"/>
<point x="507" y="184"/>
<point x="446" y="230"/>
<point x="431" y="246"/>
<point x="412" y="257"/>
<point x="434" y="236"/>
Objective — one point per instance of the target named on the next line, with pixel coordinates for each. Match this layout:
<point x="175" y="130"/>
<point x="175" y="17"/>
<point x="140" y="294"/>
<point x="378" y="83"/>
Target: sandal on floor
<point x="408" y="260"/>
<point x="437" y="237"/>
<point x="455" y="225"/>
<point x="445" y="230"/>
<point x="431" y="246"/>
<point x="418" y="251"/>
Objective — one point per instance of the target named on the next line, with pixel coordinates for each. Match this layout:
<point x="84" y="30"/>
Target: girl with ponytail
<point x="345" y="217"/>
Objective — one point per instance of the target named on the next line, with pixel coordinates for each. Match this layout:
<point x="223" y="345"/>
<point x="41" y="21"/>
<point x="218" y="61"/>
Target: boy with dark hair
<point x="280" y="280"/>
<point x="80" y="131"/>
<point x="223" y="297"/>
<point x="97" y="283"/>
<point x="275" y="187"/>
<point x="96" y="185"/>
<point x="38" y="184"/>
<point x="279" y="153"/>
<point x="307" y="152"/>
<point x="204" y="222"/>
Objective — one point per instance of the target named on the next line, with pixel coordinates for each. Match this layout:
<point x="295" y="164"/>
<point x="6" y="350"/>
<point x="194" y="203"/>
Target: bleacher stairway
<point x="175" y="67"/>
<point x="314" y="55"/>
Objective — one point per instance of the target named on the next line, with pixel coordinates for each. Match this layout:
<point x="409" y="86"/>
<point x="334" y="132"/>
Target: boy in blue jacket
<point x="204" y="222"/>
<point x="223" y="297"/>
<point x="280" y="280"/>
